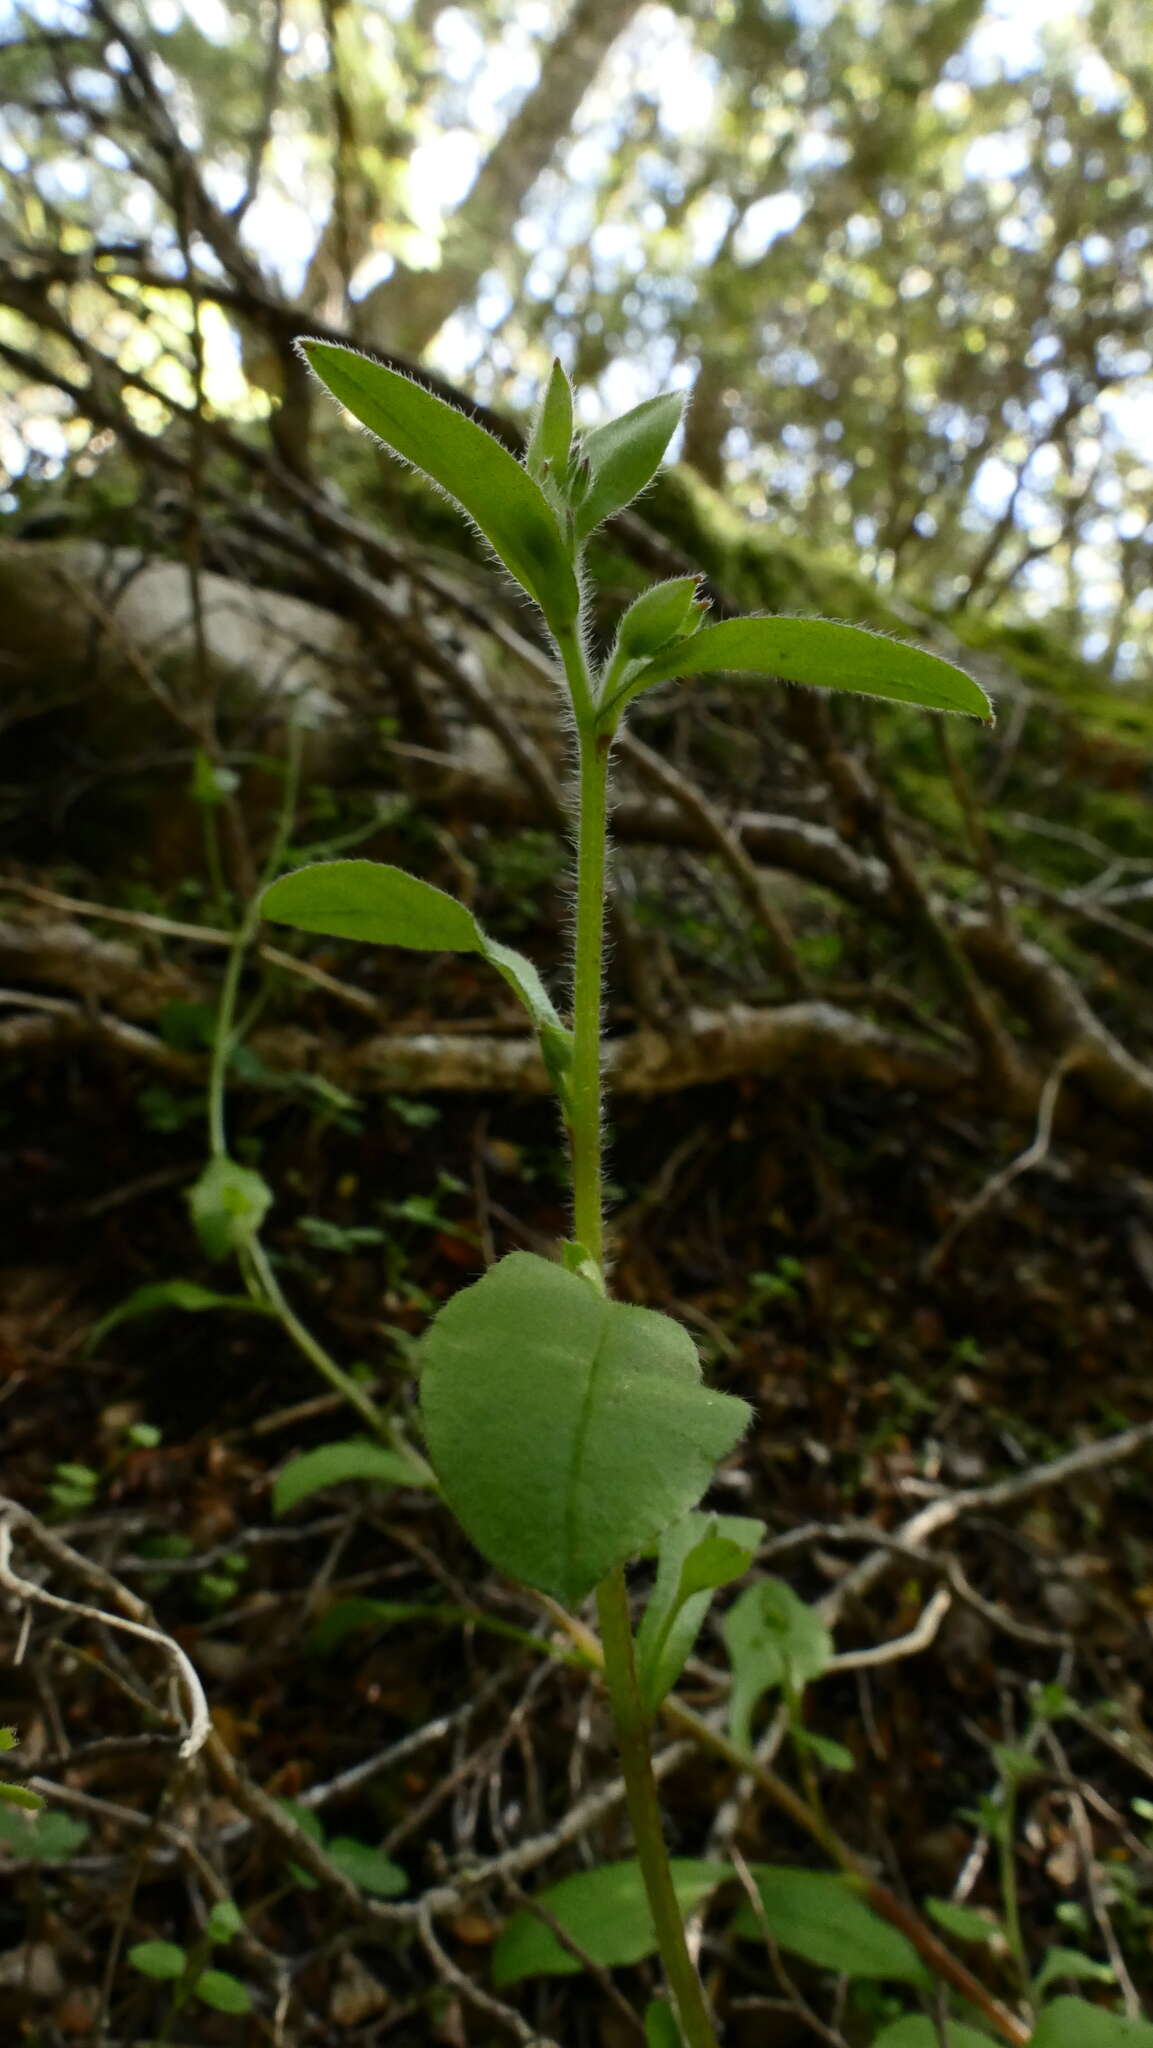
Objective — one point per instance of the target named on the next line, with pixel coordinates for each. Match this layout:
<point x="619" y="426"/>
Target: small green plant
<point x="11" y="1795"/>
<point x="187" y="1970"/>
<point x="571" y="1433"/>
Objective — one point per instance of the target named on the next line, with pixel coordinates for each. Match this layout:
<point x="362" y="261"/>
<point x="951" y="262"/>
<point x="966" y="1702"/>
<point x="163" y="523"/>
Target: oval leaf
<point x="487" y="482"/>
<point x="606" y="1912"/>
<point x="223" y="1992"/>
<point x="368" y="1868"/>
<point x="330" y="1464"/>
<point x="822" y="1917"/>
<point x="159" y="1959"/>
<point x="1073" y="2023"/>
<point x="567" y="1431"/>
<point x="624" y="455"/>
<point x="824" y="654"/>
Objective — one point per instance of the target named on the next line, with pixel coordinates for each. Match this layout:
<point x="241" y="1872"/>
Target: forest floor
<point x="804" y="1240"/>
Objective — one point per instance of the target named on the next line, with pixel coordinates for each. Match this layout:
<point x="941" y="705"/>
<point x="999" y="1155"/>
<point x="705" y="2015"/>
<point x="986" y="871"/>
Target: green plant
<point x="569" y="1432"/>
<point x="11" y="1795"/>
<point x="165" y="1962"/>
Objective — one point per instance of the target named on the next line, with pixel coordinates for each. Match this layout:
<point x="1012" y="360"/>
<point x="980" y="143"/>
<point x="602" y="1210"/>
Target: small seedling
<point x="185" y="1969"/>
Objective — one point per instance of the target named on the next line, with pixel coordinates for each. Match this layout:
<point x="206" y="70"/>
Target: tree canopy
<point x="900" y="253"/>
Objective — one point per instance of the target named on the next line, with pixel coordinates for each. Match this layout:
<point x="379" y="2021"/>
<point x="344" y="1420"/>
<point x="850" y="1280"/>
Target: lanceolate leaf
<point x="822" y="653"/>
<point x="697" y="1554"/>
<point x="624" y="455"/>
<point x="330" y="1464"/>
<point x="383" y="906"/>
<point x="158" y="1295"/>
<point x="485" y="480"/>
<point x="605" y="1912"/>
<point x="551" y="437"/>
<point x="567" y="1431"/>
<point x="821" y="1917"/>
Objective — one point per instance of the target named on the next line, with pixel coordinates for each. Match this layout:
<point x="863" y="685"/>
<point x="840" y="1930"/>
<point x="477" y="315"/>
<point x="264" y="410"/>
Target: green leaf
<point x="345" y="1617"/>
<point x="661" y="2029"/>
<point x="773" y="1640"/>
<point x="379" y="905"/>
<point x="8" y="1740"/>
<point x="921" y="2033"/>
<point x="224" y="1993"/>
<point x="566" y="1430"/>
<point x="697" y="1554"/>
<point x="1073" y="2023"/>
<point x="1067" y="1965"/>
<point x="824" y="654"/>
<point x="832" y="1756"/>
<point x="367" y="1868"/>
<point x="157" y="1295"/>
<point x="45" y="1837"/>
<point x="604" y="1911"/>
<point x="20" y="1796"/>
<point x="228" y="1203"/>
<point x="551" y="438"/>
<point x="224" y="1922"/>
<point x="331" y="1464"/>
<point x="487" y="482"/>
<point x="624" y="455"/>
<point x="823" y="1918"/>
<point x="159" y="1959"/>
<point x="961" y="1921"/>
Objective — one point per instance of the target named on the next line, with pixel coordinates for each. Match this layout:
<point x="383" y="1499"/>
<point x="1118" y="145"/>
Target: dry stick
<point x="1024" y="1163"/>
<point x="492" y="2008"/>
<point x="198" y="1725"/>
<point x="749" y="878"/>
<point x="860" y="794"/>
<point x="1083" y="1832"/>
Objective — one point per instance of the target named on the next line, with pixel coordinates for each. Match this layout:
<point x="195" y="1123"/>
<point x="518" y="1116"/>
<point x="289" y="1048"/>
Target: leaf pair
<point x="523" y="512"/>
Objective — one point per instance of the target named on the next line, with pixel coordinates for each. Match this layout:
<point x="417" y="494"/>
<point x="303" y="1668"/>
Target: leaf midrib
<point x="580" y="1445"/>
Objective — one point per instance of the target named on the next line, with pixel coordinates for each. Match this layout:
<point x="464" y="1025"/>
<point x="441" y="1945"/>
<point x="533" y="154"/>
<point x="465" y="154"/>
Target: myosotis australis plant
<point x="569" y="1432"/>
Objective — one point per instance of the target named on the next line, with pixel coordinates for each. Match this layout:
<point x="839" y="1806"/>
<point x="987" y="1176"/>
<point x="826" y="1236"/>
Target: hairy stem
<point x="632" y="1725"/>
<point x="584" y="1124"/>
<point x="585" y="1084"/>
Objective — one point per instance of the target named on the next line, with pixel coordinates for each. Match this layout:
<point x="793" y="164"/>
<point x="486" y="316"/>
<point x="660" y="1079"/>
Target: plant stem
<point x="632" y="1726"/>
<point x="264" y="1286"/>
<point x="585" y="1081"/>
<point x="224" y="1034"/>
<point x="584" y="1126"/>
